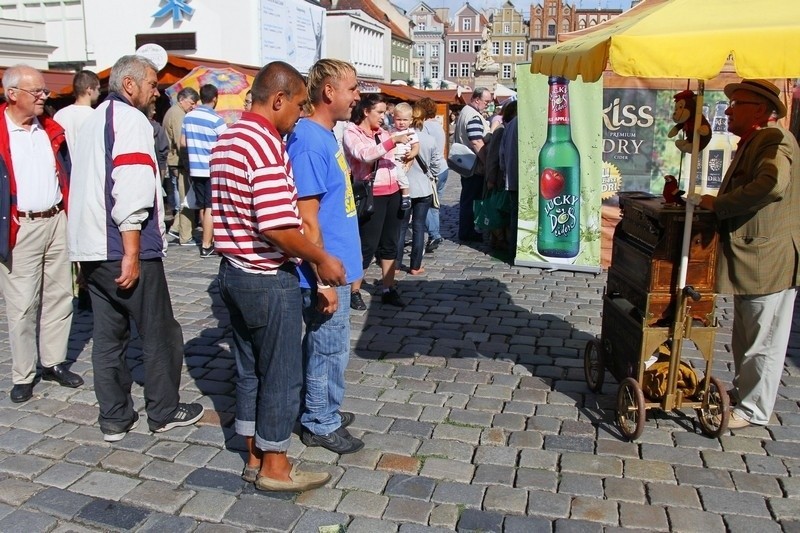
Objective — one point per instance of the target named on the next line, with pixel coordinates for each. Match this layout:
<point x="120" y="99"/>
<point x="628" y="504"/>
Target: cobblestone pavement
<point x="471" y="402"/>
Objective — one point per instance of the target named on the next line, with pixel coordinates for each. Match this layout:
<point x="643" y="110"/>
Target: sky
<point x="523" y="6"/>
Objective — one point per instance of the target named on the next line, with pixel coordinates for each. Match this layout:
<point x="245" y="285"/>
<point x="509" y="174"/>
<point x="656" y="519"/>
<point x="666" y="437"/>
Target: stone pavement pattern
<point x="471" y="402"/>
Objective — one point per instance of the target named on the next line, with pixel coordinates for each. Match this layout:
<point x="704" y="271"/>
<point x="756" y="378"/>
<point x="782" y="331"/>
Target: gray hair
<point x="478" y="92"/>
<point x="188" y="92"/>
<point x="132" y="66"/>
<point x="13" y="74"/>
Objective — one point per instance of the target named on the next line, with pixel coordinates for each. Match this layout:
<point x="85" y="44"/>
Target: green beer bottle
<point x="559" y="228"/>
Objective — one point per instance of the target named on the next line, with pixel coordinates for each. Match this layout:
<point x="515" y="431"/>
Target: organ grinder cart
<point x="645" y="317"/>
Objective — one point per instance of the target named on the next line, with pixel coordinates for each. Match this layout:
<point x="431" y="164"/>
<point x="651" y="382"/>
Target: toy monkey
<point x="672" y="196"/>
<point x="683" y="115"/>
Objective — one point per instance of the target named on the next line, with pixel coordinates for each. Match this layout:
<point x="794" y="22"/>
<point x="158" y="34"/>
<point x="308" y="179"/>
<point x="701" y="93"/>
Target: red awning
<point x="58" y="81"/>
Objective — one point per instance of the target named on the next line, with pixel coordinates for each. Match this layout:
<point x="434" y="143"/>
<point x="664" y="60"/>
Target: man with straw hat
<point x="758" y="209"/>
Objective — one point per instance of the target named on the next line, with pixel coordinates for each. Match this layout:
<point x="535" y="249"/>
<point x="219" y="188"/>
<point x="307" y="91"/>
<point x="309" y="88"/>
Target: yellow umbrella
<point x="683" y="39"/>
<point x="231" y="84"/>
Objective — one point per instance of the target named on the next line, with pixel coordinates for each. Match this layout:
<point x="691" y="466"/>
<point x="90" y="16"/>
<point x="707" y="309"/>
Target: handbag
<point x="362" y="191"/>
<point x="462" y="159"/>
<point x="434" y="182"/>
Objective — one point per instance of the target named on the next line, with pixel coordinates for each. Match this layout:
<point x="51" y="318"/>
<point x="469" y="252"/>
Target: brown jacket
<point x="758" y="208"/>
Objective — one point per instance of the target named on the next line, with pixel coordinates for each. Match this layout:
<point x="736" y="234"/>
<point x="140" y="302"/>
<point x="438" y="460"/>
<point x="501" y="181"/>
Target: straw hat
<point x="763" y="88"/>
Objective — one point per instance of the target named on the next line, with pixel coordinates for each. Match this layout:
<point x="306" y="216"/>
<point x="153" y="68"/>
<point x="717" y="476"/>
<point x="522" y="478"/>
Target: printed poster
<point x="292" y="31"/>
<point x="560" y="186"/>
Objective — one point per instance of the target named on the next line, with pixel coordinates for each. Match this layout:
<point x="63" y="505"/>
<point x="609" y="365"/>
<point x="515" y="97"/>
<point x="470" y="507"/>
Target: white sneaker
<point x="115" y="437"/>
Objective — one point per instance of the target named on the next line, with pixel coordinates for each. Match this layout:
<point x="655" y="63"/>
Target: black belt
<point x="53" y="211"/>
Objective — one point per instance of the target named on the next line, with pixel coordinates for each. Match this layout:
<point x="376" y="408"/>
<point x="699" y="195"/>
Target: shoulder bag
<point x="362" y="191"/>
<point x="434" y="182"/>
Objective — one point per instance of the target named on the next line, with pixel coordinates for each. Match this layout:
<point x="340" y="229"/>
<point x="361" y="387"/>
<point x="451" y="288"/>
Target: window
<point x="465" y="46"/>
<point x="506" y="27"/>
<point x="421" y="71"/>
<point x="520" y="48"/>
<point x="420" y="50"/>
<point x="466" y="24"/>
<point x="452" y="70"/>
<point x="506" y="71"/>
<point x="476" y="45"/>
<point x="506" y="48"/>
<point x="495" y="48"/>
<point x="435" y="72"/>
<point x="170" y="41"/>
<point x="534" y="47"/>
<point x="581" y="24"/>
<point x="453" y="46"/>
<point x="420" y="26"/>
<point x="537" y="30"/>
<point x="551" y="30"/>
<point x="434" y="50"/>
<point x="464" y="70"/>
<point x="564" y="26"/>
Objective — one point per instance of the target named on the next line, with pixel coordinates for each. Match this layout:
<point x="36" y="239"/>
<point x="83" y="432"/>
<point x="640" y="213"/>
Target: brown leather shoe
<point x="299" y="481"/>
<point x="62" y="376"/>
<point x="737" y="422"/>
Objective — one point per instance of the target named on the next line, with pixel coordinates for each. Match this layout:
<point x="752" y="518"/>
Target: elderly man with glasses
<point x="471" y="130"/>
<point x="35" y="271"/>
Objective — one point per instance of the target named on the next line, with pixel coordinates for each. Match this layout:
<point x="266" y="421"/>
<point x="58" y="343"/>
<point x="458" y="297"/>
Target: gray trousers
<point x="761" y="328"/>
<point x="149" y="306"/>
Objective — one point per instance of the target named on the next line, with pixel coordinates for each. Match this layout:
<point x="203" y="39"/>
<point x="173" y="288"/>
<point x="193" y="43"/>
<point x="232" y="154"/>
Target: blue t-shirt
<point x="319" y="169"/>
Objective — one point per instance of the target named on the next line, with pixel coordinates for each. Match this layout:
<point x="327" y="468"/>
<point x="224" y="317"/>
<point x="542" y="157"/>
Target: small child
<point x="404" y="153"/>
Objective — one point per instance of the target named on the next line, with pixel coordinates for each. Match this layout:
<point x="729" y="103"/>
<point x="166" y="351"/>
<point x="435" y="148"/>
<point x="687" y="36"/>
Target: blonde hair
<point x="322" y="72"/>
<point x="403" y="108"/>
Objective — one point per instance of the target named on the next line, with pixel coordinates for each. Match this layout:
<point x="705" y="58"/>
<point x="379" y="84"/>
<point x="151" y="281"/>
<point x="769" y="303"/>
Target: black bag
<point x="365" y="201"/>
<point x="362" y="191"/>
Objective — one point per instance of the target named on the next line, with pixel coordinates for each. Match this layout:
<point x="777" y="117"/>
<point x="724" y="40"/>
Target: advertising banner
<point x="292" y="31"/>
<point x="560" y="163"/>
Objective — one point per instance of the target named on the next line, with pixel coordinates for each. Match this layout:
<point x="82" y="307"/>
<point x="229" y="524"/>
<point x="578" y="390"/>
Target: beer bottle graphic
<point x="559" y="228"/>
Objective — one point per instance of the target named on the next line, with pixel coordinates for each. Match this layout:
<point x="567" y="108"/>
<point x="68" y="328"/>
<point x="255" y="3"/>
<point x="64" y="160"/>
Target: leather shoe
<point x="737" y="422"/>
<point x="64" y="377"/>
<point x="22" y="392"/>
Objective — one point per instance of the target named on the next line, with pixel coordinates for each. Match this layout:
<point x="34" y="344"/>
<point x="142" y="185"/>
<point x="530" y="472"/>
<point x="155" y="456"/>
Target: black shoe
<point x="432" y="245"/>
<point x="357" y="302"/>
<point x="64" y="377"/>
<point x="185" y="415"/>
<point x="207" y="252"/>
<point x="22" y="392"/>
<point x="347" y="418"/>
<point x="339" y="441"/>
<point x="392" y="298"/>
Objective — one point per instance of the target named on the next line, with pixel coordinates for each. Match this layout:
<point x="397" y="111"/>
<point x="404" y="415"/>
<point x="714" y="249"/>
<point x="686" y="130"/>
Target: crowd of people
<point x="276" y="194"/>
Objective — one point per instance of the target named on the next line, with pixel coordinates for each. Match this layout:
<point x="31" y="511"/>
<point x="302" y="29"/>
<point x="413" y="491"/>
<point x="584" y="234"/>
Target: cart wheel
<point x="713" y="415"/>
<point x="593" y="366"/>
<point x="631" y="410"/>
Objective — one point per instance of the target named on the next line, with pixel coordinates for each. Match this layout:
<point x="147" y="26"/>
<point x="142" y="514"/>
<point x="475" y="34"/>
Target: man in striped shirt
<point x="257" y="230"/>
<point x="202" y="126"/>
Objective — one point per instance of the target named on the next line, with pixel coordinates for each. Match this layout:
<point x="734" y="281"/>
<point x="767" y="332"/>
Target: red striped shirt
<point x="252" y="190"/>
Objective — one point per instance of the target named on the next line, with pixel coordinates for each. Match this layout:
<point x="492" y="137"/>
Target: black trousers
<point x="471" y="190"/>
<point x="149" y="306"/>
<point x="379" y="231"/>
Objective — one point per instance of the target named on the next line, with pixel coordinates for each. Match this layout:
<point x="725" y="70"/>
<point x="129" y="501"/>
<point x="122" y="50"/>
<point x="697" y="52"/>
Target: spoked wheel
<point x="715" y="411"/>
<point x="593" y="367"/>
<point x="631" y="410"/>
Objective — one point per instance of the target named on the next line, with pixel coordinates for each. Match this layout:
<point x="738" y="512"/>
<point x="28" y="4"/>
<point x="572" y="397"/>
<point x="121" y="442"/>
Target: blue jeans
<point x="326" y="350"/>
<point x="174" y="199"/>
<point x="432" y="220"/>
<point x="418" y="213"/>
<point x="266" y="320"/>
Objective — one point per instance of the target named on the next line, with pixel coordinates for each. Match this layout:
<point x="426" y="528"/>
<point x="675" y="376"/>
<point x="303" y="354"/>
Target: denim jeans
<point x="173" y="201"/>
<point x="326" y="350"/>
<point x="418" y="213"/>
<point x="432" y="220"/>
<point x="266" y="319"/>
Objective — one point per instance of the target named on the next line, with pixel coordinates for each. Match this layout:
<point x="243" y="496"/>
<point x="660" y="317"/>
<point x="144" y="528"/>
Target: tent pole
<point x="691" y="187"/>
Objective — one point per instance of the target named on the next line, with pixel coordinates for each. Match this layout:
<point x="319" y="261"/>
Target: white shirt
<point x="34" y="167"/>
<point x="71" y="119"/>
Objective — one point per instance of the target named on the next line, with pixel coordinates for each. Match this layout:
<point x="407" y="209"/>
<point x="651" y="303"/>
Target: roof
<point x="179" y="66"/>
<point x="58" y="81"/>
<point x="368" y="7"/>
<point x="412" y="94"/>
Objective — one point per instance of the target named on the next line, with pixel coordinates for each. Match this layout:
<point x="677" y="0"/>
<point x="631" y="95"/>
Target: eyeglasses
<point x="36" y="93"/>
<point x="736" y="103"/>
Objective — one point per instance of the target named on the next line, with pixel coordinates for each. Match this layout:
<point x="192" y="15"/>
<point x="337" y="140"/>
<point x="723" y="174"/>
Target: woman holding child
<point x="369" y="153"/>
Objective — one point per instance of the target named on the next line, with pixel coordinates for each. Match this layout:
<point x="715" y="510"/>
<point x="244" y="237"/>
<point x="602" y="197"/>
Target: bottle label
<point x="561" y="208"/>
<point x="716" y="163"/>
<point x="559" y="105"/>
